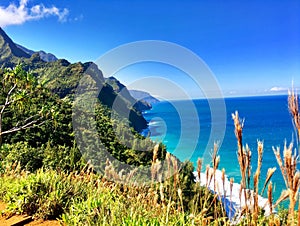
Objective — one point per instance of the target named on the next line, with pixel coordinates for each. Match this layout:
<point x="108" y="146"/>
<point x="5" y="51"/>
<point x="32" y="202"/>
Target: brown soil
<point x="19" y="218"/>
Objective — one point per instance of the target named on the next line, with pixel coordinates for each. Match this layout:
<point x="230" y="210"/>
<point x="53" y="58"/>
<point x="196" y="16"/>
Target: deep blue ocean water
<point x="186" y="133"/>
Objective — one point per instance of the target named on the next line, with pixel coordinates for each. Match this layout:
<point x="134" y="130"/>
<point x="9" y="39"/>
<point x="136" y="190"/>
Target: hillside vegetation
<point x="47" y="173"/>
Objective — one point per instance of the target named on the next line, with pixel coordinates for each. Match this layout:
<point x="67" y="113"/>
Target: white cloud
<point x="278" y="89"/>
<point x="13" y="15"/>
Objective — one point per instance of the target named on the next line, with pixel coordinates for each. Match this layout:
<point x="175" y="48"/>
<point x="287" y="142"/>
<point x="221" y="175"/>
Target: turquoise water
<point x="186" y="133"/>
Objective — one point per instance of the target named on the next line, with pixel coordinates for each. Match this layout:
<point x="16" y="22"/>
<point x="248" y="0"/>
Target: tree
<point x="21" y="101"/>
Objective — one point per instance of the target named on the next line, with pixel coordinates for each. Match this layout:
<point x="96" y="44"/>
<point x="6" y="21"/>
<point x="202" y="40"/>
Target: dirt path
<point x="17" y="219"/>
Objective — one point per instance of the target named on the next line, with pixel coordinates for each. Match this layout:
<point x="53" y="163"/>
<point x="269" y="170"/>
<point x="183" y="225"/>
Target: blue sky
<point x="252" y="47"/>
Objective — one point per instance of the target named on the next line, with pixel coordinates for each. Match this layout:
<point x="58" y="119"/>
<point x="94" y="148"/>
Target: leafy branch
<point x="17" y="91"/>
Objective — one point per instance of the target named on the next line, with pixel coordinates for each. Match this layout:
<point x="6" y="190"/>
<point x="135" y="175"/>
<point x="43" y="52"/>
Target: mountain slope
<point x="119" y="88"/>
<point x="9" y="50"/>
<point x="144" y="96"/>
<point x="62" y="78"/>
<point x="47" y="57"/>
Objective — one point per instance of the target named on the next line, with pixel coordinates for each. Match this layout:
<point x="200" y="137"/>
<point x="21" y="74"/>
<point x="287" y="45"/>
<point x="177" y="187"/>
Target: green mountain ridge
<point x="122" y="90"/>
<point x="9" y="52"/>
<point x="48" y="57"/>
<point x="62" y="78"/>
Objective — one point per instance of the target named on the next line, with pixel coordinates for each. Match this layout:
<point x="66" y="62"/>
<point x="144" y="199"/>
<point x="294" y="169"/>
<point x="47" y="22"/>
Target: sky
<point x="251" y="47"/>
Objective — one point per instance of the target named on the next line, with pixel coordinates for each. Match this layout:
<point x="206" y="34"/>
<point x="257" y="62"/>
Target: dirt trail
<point x="18" y="219"/>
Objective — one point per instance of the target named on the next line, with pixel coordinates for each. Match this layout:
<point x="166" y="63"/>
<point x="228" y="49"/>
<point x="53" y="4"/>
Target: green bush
<point x="45" y="194"/>
<point x="33" y="158"/>
<point x="28" y="157"/>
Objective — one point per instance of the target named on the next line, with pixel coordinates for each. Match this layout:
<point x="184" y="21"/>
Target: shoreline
<point x="233" y="205"/>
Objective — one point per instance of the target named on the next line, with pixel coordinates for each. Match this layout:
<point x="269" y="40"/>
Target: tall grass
<point x="293" y="103"/>
<point x="287" y="164"/>
<point x="85" y="198"/>
<point x="251" y="208"/>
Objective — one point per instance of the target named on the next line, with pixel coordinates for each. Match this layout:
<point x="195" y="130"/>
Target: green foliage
<point x="44" y="194"/>
<point x="62" y="158"/>
<point x="56" y="130"/>
<point x="112" y="139"/>
<point x="84" y="199"/>
<point x="53" y="126"/>
<point x="283" y="215"/>
<point x="28" y="157"/>
<point x="33" y="158"/>
<point x="62" y="78"/>
<point x="24" y="102"/>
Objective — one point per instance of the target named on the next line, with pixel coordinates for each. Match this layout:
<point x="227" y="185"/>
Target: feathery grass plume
<point x="155" y="152"/>
<point x="268" y="178"/>
<point x="154" y="162"/>
<point x="199" y="167"/>
<point x="156" y="171"/>
<point x="207" y="174"/>
<point x="291" y="177"/>
<point x="216" y="162"/>
<point x="129" y="178"/>
<point x="110" y="172"/>
<point x="239" y="124"/>
<point x="283" y="196"/>
<point x="215" y="157"/>
<point x="244" y="157"/>
<point x="210" y="173"/>
<point x="248" y="156"/>
<point x="280" y="162"/>
<point x="290" y="164"/>
<point x="293" y="103"/>
<point x="15" y="168"/>
<point x="168" y="159"/>
<point x="176" y="171"/>
<point x="179" y="191"/>
<point x="83" y="170"/>
<point x="270" y="197"/>
<point x="223" y="179"/>
<point x="255" y="182"/>
<point x="161" y="192"/>
<point x="260" y="147"/>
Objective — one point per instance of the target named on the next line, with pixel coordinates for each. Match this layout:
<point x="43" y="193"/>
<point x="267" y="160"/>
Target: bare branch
<point x="28" y="125"/>
<point x="26" y="120"/>
<point x="7" y="102"/>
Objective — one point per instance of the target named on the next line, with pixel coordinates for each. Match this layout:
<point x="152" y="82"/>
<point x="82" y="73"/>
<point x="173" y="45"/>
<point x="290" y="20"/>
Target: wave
<point x="153" y="123"/>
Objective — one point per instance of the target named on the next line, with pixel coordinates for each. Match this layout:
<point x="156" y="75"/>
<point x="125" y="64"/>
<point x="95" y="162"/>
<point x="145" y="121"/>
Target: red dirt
<point x="17" y="218"/>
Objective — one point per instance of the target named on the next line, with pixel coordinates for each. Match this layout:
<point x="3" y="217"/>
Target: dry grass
<point x="244" y="159"/>
<point x="291" y="176"/>
<point x="251" y="209"/>
<point x="288" y="163"/>
<point x="293" y="103"/>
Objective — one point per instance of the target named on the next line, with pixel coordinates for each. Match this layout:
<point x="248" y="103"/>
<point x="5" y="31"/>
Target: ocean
<point x="186" y="132"/>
